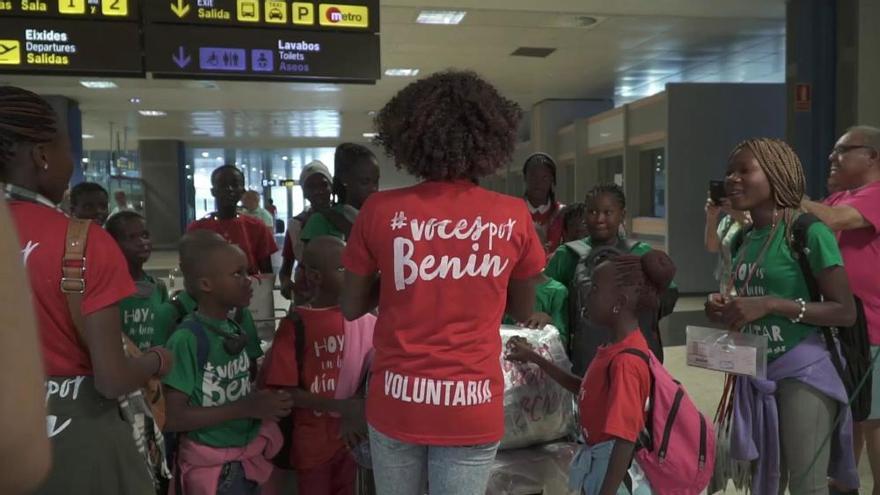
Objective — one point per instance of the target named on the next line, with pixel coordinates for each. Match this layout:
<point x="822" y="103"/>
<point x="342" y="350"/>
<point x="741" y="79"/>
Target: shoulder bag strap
<point x="73" y="270"/>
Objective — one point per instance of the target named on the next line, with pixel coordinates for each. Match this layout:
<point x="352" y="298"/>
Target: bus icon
<point x="248" y="11"/>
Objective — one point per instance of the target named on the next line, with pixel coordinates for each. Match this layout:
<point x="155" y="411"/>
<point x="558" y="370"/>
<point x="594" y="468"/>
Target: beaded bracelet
<point x="803" y="311"/>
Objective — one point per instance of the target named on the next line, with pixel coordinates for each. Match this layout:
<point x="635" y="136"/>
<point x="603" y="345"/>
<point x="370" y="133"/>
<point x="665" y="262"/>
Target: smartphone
<point x="716" y="191"/>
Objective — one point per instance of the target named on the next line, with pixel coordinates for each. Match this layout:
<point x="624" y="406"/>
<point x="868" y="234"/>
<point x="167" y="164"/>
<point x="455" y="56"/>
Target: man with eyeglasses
<point x="854" y="213"/>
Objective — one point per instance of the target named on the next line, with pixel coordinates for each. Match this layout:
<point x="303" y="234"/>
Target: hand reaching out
<point x="519" y="350"/>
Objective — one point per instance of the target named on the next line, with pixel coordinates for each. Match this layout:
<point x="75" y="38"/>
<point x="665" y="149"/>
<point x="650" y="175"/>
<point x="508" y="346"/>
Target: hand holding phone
<point x="717" y="191"/>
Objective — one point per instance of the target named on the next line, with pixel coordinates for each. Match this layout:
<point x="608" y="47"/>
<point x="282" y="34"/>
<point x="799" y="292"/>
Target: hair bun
<point x="659" y="269"/>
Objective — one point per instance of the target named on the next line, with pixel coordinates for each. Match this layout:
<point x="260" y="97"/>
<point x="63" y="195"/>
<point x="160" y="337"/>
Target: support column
<point x="164" y="175"/>
<point x="811" y="62"/>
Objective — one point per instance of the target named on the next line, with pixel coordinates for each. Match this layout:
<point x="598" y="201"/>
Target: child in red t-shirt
<point x="323" y="373"/>
<point x="613" y="393"/>
<point x="248" y="233"/>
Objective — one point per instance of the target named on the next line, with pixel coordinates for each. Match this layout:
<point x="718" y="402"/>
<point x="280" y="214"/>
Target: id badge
<point x="729" y="352"/>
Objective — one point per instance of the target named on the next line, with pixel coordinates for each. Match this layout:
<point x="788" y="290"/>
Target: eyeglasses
<point x="846" y="148"/>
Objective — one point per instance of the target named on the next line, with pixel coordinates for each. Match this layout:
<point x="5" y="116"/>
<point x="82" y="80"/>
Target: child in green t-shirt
<point x="551" y="308"/>
<point x="209" y="390"/>
<point x="356" y="178"/>
<point x="141" y="313"/>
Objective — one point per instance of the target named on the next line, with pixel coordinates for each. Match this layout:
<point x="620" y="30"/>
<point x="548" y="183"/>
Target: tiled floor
<point x="703" y="386"/>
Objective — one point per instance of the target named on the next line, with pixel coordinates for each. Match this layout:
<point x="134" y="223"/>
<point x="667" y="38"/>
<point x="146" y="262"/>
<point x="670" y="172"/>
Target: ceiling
<point x="634" y="48"/>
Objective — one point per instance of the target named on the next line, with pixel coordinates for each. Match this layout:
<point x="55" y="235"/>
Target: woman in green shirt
<point x="765" y="177"/>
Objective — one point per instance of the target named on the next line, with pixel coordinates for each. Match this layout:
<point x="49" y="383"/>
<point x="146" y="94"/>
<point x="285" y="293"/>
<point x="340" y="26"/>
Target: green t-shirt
<point x="223" y="380"/>
<point x="564" y="262"/>
<point x="779" y="275"/>
<point x="318" y="225"/>
<point x="142" y="318"/>
<point x="551" y="297"/>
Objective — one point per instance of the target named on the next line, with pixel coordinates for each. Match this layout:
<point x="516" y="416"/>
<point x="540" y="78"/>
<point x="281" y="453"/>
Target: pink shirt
<point x="861" y="251"/>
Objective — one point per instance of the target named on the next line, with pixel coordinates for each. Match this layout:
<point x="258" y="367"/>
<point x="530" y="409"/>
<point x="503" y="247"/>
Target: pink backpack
<point x="677" y="449"/>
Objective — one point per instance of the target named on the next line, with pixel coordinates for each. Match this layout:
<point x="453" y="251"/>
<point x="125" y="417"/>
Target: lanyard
<point x="16" y="193"/>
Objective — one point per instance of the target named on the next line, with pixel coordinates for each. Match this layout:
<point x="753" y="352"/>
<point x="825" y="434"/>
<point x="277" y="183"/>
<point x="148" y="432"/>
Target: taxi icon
<point x="276" y="14"/>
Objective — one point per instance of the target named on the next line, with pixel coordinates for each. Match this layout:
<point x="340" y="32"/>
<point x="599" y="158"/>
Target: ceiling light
<point x="440" y="16"/>
<point x="188" y="166"/>
<point x="152" y="113"/>
<point x="88" y="136"/>
<point x="370" y="135"/>
<point x="285" y="158"/>
<point x="85" y="160"/>
<point x="253" y="169"/>
<point x="205" y="154"/>
<point x="99" y="84"/>
<point x="401" y="72"/>
<point x="135" y="100"/>
<point x="219" y="158"/>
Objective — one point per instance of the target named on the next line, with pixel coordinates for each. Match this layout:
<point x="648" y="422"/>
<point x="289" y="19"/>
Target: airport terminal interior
<point x="647" y="95"/>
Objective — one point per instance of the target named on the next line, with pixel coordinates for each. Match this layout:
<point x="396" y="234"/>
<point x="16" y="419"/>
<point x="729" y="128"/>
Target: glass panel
<point x="205" y="160"/>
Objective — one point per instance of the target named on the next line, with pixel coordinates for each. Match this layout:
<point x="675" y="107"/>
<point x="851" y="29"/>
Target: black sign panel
<point x="110" y="10"/>
<point x="347" y="15"/>
<point x="69" y="47"/>
<point x="270" y="54"/>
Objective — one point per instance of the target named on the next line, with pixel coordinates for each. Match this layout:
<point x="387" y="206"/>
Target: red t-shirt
<point x="446" y="252"/>
<point x="614" y="391"/>
<point x="315" y="434"/>
<point x="42" y="233"/>
<point x="248" y="233"/>
<point x="551" y="224"/>
<point x="860" y="249"/>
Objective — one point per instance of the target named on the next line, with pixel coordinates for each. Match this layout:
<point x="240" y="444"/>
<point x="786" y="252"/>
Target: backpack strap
<point x="799" y="243"/>
<point x="635" y="352"/>
<point x="799" y="233"/>
<point x="627" y="245"/>
<point x="579" y="248"/>
<point x="203" y="346"/>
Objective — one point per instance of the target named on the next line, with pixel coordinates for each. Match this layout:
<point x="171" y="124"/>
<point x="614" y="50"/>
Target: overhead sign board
<point x="349" y="15"/>
<point x="269" y="54"/>
<point x="111" y="10"/>
<point x="69" y="47"/>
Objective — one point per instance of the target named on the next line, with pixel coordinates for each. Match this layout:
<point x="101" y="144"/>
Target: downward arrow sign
<point x="181" y="58"/>
<point x="181" y="9"/>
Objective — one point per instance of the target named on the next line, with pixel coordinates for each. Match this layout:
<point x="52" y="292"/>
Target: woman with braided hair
<point x="539" y="174"/>
<point x="93" y="449"/>
<point x="782" y="424"/>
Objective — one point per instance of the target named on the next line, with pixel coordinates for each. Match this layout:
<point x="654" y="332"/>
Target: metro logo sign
<point x="349" y="16"/>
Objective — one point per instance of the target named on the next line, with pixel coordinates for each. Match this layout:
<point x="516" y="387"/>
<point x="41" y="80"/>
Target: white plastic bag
<point x="539" y="469"/>
<point x="536" y="408"/>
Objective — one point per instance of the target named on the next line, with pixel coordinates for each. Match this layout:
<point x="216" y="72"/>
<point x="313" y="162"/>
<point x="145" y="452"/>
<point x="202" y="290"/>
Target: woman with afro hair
<point x="441" y="260"/>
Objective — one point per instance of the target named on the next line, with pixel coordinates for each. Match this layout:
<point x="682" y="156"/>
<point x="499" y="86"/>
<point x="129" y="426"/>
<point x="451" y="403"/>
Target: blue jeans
<point x="233" y="482"/>
<point x="402" y="468"/>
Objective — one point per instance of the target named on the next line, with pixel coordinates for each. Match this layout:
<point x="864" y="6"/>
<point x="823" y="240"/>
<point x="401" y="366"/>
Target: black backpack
<point x="851" y="343"/>
<point x="585" y="336"/>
